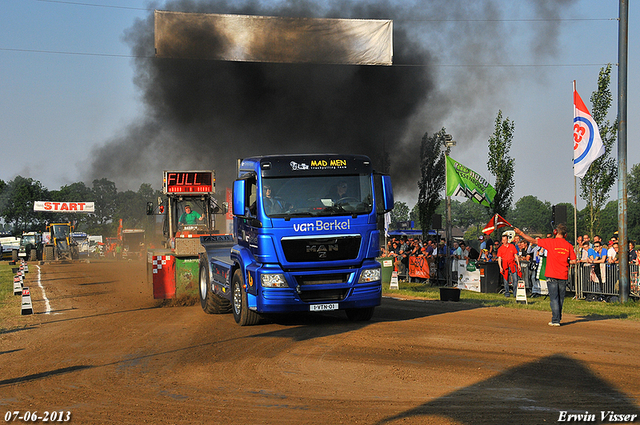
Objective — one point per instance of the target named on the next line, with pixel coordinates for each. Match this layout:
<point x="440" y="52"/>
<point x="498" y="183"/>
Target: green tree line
<point x="18" y="196"/>
<point x="532" y="214"/>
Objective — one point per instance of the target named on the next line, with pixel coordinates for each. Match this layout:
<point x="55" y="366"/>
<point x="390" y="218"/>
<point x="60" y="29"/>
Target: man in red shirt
<point x="560" y="254"/>
<point x="508" y="262"/>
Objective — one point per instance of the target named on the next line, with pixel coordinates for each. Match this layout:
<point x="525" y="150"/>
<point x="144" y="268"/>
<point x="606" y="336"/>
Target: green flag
<point x="462" y="181"/>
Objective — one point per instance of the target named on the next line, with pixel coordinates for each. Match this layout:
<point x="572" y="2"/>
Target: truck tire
<point x="75" y="253"/>
<point x="49" y="253"/>
<point x="360" y="314"/>
<point x="241" y="313"/>
<point x="33" y="255"/>
<point x="210" y="302"/>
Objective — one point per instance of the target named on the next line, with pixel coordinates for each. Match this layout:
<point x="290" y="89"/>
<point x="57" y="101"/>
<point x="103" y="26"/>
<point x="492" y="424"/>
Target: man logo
<point x="322" y="250"/>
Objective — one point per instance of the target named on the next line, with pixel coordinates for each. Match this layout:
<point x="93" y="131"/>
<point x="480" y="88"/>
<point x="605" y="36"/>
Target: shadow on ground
<point x="535" y="393"/>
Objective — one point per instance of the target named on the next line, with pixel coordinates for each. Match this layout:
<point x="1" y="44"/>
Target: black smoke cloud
<point x="202" y="114"/>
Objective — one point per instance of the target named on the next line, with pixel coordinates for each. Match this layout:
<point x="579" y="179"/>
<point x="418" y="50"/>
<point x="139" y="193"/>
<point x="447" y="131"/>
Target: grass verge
<point x="594" y="310"/>
<point x="9" y="303"/>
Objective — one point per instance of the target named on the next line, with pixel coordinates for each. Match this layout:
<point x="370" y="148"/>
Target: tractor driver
<point x="189" y="216"/>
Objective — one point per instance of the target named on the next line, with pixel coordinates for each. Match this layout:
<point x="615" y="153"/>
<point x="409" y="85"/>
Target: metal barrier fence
<point x="599" y="280"/>
<point x="602" y="280"/>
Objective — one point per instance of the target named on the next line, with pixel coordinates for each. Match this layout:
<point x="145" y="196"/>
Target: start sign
<point x="50" y="206"/>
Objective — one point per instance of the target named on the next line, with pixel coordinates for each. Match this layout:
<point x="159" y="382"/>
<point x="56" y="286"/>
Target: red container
<point x="164" y="276"/>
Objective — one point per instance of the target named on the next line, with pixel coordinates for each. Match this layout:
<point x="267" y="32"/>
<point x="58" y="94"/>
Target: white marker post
<point x="521" y="293"/>
<point x="394" y="280"/>
<point x="27" y="307"/>
<point x="17" y="285"/>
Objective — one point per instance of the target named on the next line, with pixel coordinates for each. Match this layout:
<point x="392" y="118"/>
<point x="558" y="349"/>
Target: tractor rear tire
<point x="210" y="302"/>
<point x="49" y="253"/>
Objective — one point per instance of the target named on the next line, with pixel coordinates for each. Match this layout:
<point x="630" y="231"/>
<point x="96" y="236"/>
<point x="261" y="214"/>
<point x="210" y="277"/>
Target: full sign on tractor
<point x="188" y="211"/>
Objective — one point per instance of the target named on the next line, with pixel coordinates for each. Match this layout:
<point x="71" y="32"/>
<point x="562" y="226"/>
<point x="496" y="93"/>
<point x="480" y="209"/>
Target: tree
<point x="16" y="203"/>
<point x="603" y="172"/>
<point x="131" y="207"/>
<point x="532" y="215"/>
<point x="468" y="214"/>
<point x="501" y="165"/>
<point x="432" y="180"/>
<point x="609" y="220"/>
<point x="399" y="213"/>
<point x="414" y="215"/>
<point x="633" y="204"/>
<point x="75" y="192"/>
<point x="105" y="198"/>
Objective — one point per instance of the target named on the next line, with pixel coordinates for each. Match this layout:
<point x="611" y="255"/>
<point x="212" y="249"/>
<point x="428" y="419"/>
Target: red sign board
<point x="188" y="182"/>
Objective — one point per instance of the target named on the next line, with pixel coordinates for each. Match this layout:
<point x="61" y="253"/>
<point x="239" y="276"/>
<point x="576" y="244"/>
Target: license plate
<point x="323" y="307"/>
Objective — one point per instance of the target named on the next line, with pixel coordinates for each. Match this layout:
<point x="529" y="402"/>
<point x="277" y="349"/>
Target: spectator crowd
<point x="435" y="251"/>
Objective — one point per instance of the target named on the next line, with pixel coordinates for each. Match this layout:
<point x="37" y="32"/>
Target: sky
<point x="73" y="99"/>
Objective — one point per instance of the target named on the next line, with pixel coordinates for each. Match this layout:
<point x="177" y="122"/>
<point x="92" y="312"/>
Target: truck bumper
<point x="280" y="300"/>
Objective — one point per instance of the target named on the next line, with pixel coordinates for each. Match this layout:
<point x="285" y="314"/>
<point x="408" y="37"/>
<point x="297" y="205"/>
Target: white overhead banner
<point x="249" y="38"/>
<point x="50" y="206"/>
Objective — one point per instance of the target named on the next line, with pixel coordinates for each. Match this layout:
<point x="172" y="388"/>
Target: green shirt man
<point x="188" y="216"/>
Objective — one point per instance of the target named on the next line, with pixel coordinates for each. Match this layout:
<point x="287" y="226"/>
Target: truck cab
<point x="306" y="237"/>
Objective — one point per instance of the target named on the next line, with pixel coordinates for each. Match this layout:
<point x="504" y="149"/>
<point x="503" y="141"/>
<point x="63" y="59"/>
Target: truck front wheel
<point x="241" y="313"/>
<point x="210" y="302"/>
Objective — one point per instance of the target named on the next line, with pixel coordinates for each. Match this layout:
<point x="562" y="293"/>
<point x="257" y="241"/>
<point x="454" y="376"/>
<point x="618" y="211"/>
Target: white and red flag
<point x="496" y="222"/>
<point x="587" y="143"/>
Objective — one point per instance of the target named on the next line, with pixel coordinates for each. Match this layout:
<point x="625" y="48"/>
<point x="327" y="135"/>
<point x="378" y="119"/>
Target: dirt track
<point x="108" y="354"/>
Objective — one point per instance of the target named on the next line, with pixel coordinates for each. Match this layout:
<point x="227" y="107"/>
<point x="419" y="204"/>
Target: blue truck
<point x="306" y="237"/>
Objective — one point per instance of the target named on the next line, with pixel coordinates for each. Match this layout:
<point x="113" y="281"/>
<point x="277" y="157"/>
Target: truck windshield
<point x="317" y="195"/>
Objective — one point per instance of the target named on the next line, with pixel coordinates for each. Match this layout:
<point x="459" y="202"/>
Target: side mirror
<point x="387" y="193"/>
<point x="239" y="187"/>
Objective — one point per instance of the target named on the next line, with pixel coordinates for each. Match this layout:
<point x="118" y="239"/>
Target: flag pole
<point x="575" y="188"/>
<point x="449" y="243"/>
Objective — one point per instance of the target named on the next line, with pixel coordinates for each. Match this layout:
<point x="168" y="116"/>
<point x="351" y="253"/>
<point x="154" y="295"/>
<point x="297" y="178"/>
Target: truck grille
<point x="323" y="279"/>
<point x="321" y="249"/>
<point x="324" y="295"/>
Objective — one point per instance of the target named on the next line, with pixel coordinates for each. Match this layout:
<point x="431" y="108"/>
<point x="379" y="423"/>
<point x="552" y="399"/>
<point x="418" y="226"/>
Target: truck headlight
<point x="369" y="275"/>
<point x="273" y="281"/>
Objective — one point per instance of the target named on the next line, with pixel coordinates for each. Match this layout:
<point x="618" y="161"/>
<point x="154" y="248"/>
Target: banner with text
<point x="461" y="181"/>
<point x="419" y="267"/>
<point x="50" y="206"/>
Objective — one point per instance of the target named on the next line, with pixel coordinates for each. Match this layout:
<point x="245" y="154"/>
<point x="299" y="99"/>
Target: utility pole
<point x="623" y="41"/>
